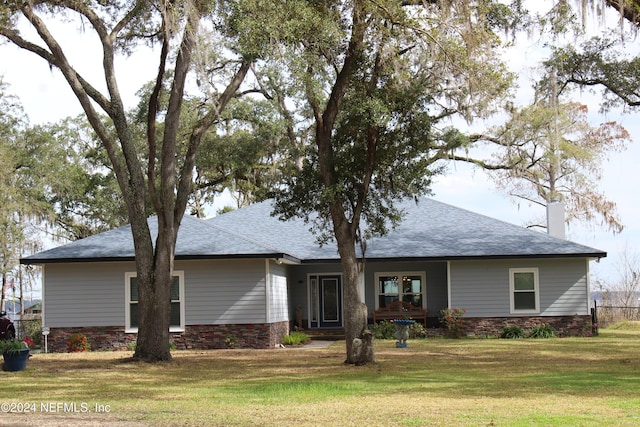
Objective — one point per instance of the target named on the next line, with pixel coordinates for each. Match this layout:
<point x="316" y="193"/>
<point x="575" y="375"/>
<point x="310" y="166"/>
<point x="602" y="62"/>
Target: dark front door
<point x="326" y="301"/>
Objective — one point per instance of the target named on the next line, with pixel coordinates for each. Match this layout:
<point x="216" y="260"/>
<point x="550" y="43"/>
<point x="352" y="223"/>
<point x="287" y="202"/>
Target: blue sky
<point x="46" y="98"/>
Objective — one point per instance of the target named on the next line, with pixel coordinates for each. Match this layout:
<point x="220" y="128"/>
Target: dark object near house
<point x="7" y="330"/>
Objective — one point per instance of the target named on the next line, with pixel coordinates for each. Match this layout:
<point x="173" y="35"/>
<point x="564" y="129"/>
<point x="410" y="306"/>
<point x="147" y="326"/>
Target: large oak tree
<point x="371" y="87"/>
<point x="158" y="174"/>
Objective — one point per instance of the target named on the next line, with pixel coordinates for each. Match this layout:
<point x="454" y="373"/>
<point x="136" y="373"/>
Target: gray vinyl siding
<point x="85" y="294"/>
<point x="482" y="287"/>
<point x="565" y="288"/>
<point x="278" y="294"/>
<point x="216" y="292"/>
<point x="224" y="292"/>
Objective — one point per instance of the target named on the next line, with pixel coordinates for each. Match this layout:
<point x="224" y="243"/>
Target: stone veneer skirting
<point x="565" y="326"/>
<point x="201" y="337"/>
<point x="269" y="335"/>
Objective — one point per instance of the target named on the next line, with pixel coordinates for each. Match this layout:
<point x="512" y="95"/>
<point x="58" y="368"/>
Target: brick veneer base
<point x="270" y="334"/>
<point x="200" y="337"/>
<point x="565" y="326"/>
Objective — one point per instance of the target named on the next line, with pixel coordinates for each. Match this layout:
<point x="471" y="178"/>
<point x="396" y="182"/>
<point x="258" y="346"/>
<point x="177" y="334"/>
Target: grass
<point x="626" y="325"/>
<point x="436" y="382"/>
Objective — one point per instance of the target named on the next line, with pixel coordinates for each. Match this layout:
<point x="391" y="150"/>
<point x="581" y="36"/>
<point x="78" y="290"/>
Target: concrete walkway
<point x="315" y="344"/>
<point x="318" y="344"/>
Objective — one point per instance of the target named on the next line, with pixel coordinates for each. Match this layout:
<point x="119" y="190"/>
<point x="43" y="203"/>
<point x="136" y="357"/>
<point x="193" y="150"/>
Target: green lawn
<point x="435" y="382"/>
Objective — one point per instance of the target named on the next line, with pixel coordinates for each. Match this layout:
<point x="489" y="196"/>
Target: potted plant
<point x="15" y="354"/>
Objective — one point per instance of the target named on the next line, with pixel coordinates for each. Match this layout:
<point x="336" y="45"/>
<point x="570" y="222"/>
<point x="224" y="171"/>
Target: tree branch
<point x="152" y="113"/>
<point x="606" y="83"/>
<point x="480" y="163"/>
<point x="168" y="199"/>
<point x="186" y="175"/>
<point x="629" y="9"/>
<point x="81" y="89"/>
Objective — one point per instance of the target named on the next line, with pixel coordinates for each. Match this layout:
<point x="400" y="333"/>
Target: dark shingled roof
<point x="429" y="230"/>
<point x="196" y="239"/>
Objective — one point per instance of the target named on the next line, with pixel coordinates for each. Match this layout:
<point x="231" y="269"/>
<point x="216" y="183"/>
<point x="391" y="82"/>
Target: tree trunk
<point x="359" y="347"/>
<point x="154" y="297"/>
<point x="154" y="301"/>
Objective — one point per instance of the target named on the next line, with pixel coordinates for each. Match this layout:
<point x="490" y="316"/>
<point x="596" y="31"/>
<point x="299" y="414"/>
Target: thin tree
<point x="21" y="187"/>
<point x="627" y="286"/>
<point x="554" y="154"/>
<point x="620" y="295"/>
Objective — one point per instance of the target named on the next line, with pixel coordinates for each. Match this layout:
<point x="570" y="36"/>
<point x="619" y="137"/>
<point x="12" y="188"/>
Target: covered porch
<point x="315" y="290"/>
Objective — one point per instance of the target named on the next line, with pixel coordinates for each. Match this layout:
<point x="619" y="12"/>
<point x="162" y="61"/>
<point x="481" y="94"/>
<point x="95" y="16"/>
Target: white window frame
<point x="423" y="285"/>
<point x="127" y="292"/>
<point x="536" y="289"/>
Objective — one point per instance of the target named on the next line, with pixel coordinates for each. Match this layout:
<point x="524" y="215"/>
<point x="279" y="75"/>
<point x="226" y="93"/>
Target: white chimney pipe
<point x="555" y="220"/>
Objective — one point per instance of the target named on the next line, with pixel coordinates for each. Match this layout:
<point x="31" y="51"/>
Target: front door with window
<point x="325" y="301"/>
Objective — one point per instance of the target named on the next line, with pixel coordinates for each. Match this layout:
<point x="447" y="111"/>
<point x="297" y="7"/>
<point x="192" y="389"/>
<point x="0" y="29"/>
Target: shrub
<point x="542" y="331"/>
<point x="33" y="330"/>
<point x="77" y="343"/>
<point x="512" y="332"/>
<point x="451" y="319"/>
<point x="296" y="338"/>
<point x="417" y="330"/>
<point x="384" y="330"/>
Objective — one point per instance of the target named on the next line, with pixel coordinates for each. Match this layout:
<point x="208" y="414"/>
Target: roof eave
<point x="41" y="261"/>
<point x="593" y="255"/>
<point x="278" y="256"/>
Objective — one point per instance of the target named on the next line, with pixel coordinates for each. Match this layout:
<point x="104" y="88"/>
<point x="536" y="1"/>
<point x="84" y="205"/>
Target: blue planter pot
<point x="16" y="360"/>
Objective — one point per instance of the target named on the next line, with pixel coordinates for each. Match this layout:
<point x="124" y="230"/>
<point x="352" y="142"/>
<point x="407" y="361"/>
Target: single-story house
<point x="246" y="277"/>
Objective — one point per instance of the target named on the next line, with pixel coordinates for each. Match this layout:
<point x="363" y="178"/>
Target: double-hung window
<point x="177" y="302"/>
<point x="400" y="286"/>
<point x="524" y="288"/>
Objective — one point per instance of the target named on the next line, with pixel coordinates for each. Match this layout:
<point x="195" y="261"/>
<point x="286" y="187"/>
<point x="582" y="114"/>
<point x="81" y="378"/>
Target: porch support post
<point x="267" y="292"/>
<point x="361" y="281"/>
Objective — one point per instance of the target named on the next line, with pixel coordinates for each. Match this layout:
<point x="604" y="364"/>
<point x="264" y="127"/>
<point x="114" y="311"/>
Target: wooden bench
<point x="400" y="310"/>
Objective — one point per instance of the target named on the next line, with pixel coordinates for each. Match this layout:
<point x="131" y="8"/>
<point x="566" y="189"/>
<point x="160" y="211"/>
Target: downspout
<point x="42" y="313"/>
<point x="448" y="284"/>
<point x="267" y="291"/>
<point x="588" y="280"/>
